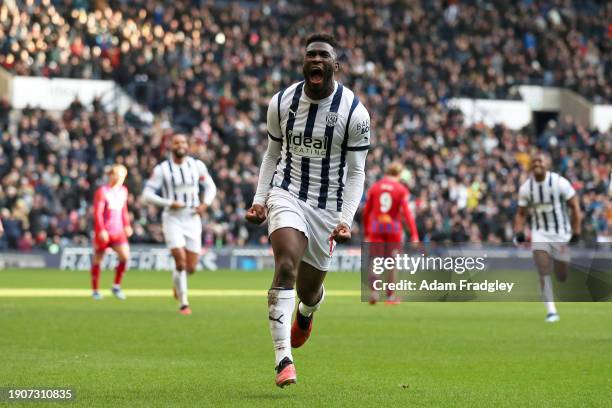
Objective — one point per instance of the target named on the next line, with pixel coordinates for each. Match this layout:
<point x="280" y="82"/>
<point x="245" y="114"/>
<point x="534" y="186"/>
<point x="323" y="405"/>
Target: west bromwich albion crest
<point x="331" y="119"/>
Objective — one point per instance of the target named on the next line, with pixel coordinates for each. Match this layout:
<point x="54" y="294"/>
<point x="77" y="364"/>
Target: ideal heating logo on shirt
<point x="307" y="146"/>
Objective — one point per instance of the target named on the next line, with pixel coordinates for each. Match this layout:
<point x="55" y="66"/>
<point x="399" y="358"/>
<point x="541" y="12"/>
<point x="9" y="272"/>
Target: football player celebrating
<point x="548" y="195"/>
<point x="310" y="184"/>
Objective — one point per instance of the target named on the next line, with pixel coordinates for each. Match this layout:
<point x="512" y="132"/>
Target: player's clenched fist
<point x="342" y="233"/>
<point x="256" y="214"/>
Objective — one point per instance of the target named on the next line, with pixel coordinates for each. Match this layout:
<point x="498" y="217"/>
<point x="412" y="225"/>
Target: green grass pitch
<point x="142" y="353"/>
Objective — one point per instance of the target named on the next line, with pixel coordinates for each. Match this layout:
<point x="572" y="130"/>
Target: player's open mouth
<point x="316" y="75"/>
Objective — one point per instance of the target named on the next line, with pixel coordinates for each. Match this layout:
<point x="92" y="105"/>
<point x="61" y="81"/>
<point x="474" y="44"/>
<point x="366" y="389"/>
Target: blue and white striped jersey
<point x="547" y="201"/>
<point x="315" y="136"/>
<point x="181" y="183"/>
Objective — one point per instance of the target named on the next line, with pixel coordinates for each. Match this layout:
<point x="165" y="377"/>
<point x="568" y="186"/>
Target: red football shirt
<point x="386" y="204"/>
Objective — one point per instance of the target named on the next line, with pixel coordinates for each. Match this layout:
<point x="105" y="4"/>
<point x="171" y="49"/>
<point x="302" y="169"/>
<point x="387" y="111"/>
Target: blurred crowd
<point x="173" y="53"/>
<point x="209" y="69"/>
<point x="463" y="180"/>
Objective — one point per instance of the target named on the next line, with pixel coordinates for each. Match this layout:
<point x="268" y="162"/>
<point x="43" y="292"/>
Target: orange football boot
<point x="299" y="335"/>
<point x="285" y="373"/>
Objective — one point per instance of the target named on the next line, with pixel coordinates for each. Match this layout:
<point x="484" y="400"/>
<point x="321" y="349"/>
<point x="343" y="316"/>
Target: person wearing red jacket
<point x="112" y="228"/>
<point x="386" y="205"/>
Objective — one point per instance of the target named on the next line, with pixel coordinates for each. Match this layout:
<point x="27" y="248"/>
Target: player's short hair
<point x="541" y="153"/>
<point x="119" y="169"/>
<point x="394" y="169"/>
<point x="177" y="134"/>
<point x="321" y="37"/>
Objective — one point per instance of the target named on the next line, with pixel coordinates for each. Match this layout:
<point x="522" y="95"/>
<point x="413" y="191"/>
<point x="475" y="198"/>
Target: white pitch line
<point x="67" y="293"/>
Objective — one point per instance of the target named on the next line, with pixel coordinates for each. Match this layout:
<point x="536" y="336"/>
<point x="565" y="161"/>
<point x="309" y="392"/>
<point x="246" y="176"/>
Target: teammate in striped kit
<point x="310" y="184"/>
<point x="176" y="185"/>
<point x="547" y="195"/>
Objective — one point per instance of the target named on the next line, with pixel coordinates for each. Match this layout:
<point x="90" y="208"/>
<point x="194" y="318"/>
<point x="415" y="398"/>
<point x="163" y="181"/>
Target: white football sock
<point x="175" y="281"/>
<point x="281" y="303"/>
<point x="306" y="310"/>
<point x="547" y="294"/>
<point x="183" y="288"/>
<point x="179" y="280"/>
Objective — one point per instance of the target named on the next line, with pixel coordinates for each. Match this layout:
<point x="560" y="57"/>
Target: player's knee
<point x="190" y="269"/>
<point x="180" y="264"/>
<point x="286" y="269"/>
<point x="97" y="259"/>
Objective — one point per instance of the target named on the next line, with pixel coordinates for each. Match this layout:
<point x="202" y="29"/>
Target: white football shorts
<point x="553" y="244"/>
<point x="182" y="229"/>
<point x="285" y="210"/>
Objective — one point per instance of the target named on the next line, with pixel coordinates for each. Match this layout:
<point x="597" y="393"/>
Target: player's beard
<point x="179" y="154"/>
<point x="539" y="173"/>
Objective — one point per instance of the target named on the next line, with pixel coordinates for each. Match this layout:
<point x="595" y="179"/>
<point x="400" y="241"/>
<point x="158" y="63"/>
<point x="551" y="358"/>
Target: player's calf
<point x="560" y="269"/>
<point x="302" y="325"/>
<point x="191" y="261"/>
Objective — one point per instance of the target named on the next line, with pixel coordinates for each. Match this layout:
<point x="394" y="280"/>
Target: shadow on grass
<point x="271" y="396"/>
